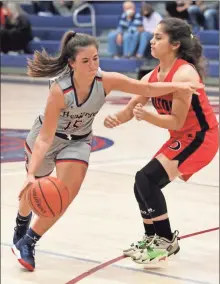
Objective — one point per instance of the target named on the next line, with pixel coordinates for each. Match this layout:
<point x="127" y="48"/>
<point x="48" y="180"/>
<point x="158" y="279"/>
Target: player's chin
<point x="92" y="72"/>
<point x="154" y="53"/>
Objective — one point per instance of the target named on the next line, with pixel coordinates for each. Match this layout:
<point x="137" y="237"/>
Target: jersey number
<point x="74" y="124"/>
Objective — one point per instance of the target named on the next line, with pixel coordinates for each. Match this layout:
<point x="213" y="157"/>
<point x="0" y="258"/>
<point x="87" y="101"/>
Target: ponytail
<point x="192" y="53"/>
<point x="44" y="65"/>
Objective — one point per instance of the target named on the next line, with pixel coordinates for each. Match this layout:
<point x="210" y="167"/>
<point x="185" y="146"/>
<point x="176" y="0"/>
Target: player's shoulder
<point x="146" y="77"/>
<point x="55" y="88"/>
<point x="186" y="72"/>
<point x="58" y="78"/>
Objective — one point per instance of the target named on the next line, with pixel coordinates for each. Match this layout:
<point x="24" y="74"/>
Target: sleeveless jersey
<point x="77" y="118"/>
<point x="200" y="116"/>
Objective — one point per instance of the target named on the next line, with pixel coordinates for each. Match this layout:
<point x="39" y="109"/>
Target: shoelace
<point x="141" y="244"/>
<point x="156" y="241"/>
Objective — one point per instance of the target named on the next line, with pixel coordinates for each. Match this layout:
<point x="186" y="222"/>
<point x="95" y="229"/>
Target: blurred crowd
<point x="135" y="30"/>
<point x="130" y="39"/>
<point x="59" y="7"/>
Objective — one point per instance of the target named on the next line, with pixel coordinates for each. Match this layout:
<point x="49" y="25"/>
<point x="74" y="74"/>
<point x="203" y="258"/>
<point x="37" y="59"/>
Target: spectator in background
<point x="64" y="8"/>
<point x="204" y="15"/>
<point x="150" y="20"/>
<point x="124" y="40"/>
<point x="4" y="12"/>
<point x="16" y="32"/>
<point x="178" y="9"/>
<point x="44" y="8"/>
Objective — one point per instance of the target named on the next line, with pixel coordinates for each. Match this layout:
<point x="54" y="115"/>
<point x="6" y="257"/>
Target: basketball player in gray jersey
<point x="61" y="135"/>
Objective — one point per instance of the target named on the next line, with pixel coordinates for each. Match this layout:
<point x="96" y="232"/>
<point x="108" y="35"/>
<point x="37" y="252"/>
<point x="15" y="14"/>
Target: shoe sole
<point x="26" y="265"/>
<point x="128" y="254"/>
<point x="155" y="260"/>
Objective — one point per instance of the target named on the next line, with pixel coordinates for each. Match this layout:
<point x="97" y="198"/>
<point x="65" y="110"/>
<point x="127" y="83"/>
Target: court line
<point x="103" y="265"/>
<point x="93" y="270"/>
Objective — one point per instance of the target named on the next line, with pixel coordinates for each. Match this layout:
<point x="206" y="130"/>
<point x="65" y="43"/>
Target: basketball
<point x="48" y="197"/>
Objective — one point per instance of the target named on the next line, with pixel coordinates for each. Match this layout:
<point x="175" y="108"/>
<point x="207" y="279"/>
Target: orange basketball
<point x="48" y="197"/>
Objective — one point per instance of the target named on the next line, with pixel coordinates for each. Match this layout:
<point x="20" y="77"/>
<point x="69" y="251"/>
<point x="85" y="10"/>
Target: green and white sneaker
<point x="134" y="247"/>
<point x="157" y="250"/>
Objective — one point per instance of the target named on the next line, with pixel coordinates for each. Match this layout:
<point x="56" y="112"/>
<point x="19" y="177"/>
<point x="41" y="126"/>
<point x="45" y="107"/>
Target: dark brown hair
<point x="190" y="47"/>
<point x="44" y="65"/>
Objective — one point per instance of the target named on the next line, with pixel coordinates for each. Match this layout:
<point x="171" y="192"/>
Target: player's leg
<point x="181" y="158"/>
<point x="71" y="166"/>
<point x="149" y="229"/>
<point x="24" y="211"/>
<point x="24" y="239"/>
<point x="149" y="181"/>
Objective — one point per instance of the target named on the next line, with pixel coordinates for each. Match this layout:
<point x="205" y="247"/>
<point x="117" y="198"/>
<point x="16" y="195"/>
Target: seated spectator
<point x="150" y="20"/>
<point x="124" y="40"/>
<point x="178" y="9"/>
<point x="44" y="8"/>
<point x="16" y="32"/>
<point x="204" y="15"/>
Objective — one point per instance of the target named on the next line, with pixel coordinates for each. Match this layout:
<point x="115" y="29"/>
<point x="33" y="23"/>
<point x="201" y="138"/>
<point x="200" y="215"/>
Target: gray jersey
<point x="77" y="118"/>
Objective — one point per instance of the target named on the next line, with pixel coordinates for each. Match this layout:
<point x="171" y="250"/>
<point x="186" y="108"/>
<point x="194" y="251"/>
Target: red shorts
<point x="193" y="150"/>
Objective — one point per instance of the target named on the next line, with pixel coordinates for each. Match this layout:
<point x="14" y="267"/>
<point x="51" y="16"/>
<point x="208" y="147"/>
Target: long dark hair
<point x="44" y="65"/>
<point x="190" y="47"/>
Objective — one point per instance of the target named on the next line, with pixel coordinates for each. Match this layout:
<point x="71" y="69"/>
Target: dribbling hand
<point x="139" y="112"/>
<point x="111" y="121"/>
<point x="28" y="182"/>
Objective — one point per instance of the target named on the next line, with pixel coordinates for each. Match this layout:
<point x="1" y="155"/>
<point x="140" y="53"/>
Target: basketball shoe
<point x="134" y="247"/>
<point x="21" y="228"/>
<point x="158" y="249"/>
<point x="24" y="250"/>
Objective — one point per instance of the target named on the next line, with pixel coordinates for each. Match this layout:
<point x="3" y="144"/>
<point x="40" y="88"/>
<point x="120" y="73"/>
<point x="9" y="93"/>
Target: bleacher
<point x="47" y="32"/>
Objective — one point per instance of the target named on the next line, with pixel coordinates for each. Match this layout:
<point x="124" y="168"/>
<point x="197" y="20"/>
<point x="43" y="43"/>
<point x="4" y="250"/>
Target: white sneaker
<point x="134" y="247"/>
<point x="158" y="249"/>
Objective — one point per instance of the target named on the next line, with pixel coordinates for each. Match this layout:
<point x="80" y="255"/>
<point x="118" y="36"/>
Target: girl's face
<point x="160" y="45"/>
<point x="87" y="61"/>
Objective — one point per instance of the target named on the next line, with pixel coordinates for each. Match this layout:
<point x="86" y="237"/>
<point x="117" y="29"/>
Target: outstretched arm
<point x="180" y="104"/>
<point x="116" y="81"/>
<point x="126" y="113"/>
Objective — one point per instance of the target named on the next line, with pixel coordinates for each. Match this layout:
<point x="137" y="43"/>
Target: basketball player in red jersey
<point x="193" y="129"/>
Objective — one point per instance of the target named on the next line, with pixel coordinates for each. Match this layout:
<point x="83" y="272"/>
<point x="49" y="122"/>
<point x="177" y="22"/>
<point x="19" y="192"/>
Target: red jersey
<point x="200" y="116"/>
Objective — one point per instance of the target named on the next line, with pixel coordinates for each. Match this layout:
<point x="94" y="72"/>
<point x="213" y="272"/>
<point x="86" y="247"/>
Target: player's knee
<point x="142" y="183"/>
<point x="150" y="179"/>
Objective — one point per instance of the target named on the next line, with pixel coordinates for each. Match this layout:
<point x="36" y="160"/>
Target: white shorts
<point x="61" y="150"/>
